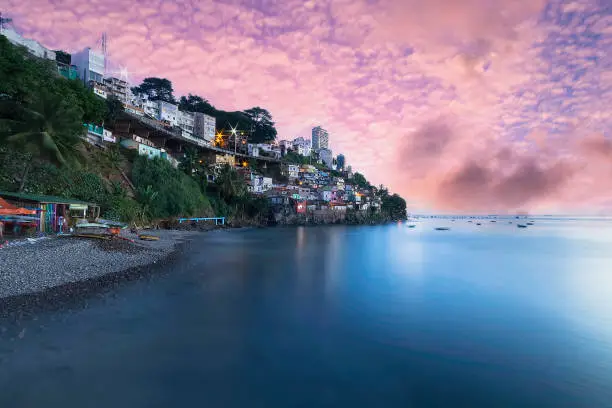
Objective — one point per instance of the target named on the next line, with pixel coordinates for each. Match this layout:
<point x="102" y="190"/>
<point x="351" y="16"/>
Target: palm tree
<point x="230" y="183"/>
<point x="49" y="128"/>
<point x="146" y="197"/>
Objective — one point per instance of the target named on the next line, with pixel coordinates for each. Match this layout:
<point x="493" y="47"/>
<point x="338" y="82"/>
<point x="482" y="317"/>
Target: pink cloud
<point x="459" y="105"/>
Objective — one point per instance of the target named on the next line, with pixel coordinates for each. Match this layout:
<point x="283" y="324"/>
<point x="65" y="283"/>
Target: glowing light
<point x="234" y="129"/>
<point x="244" y="164"/>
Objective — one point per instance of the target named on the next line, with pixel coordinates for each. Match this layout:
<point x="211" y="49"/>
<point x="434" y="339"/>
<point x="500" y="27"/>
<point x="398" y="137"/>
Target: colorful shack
<point x="49" y="209"/>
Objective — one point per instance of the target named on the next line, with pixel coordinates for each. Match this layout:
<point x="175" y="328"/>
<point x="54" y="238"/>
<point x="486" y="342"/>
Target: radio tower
<point x="103" y="45"/>
<point x="2" y="21"/>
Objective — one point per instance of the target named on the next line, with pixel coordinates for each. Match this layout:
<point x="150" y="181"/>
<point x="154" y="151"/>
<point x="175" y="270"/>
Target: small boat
<point x="442" y="229"/>
<point x="530" y="223"/>
<point x="478" y="223"/>
<point x="146" y="237"/>
<point x="493" y="221"/>
<point x="470" y="221"/>
<point x="411" y="226"/>
<point x="521" y="225"/>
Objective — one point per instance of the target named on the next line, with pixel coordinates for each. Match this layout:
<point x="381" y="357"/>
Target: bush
<point x="122" y="209"/>
<point x="177" y="193"/>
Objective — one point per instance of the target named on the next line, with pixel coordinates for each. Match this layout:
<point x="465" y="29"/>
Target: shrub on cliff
<point x="177" y="193"/>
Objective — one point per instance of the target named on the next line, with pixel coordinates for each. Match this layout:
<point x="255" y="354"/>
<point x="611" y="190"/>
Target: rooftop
<point x="41" y="198"/>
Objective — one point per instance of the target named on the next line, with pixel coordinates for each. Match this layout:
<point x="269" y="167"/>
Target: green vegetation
<point x="257" y="121"/>
<point x="156" y="88"/>
<point x="42" y="152"/>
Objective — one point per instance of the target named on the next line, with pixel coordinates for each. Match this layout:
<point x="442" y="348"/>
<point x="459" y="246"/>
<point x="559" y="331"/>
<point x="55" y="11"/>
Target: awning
<point x="78" y="207"/>
<point x="9" y="209"/>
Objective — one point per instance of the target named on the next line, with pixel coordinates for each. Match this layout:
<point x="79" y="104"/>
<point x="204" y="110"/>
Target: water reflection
<point x="338" y="316"/>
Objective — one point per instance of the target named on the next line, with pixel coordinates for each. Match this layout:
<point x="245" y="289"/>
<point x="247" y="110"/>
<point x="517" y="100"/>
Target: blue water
<point x="478" y="316"/>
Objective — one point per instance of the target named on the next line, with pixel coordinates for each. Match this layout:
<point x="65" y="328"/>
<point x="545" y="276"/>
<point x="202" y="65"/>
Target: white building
<point x="320" y="138"/>
<point x="33" y="46"/>
<point x="293" y="171"/>
<point x="151" y="108"/>
<point x="168" y="112"/>
<point x="326" y="156"/>
<point x="118" y="88"/>
<point x="301" y="146"/>
<point x="90" y="65"/>
<point x="204" y="126"/>
<point x="186" y="123"/>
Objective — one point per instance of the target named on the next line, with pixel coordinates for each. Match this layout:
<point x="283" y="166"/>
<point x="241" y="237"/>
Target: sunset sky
<point x="471" y="105"/>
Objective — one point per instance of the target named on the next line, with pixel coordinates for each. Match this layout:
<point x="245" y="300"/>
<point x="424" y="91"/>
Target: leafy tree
<point x="49" y="129"/>
<point x="93" y="107"/>
<point x="360" y="180"/>
<point x="194" y="103"/>
<point x="22" y="75"/>
<point x="114" y="107"/>
<point x="263" y="129"/>
<point x="156" y="88"/>
<point x="178" y="194"/>
<point x="394" y="207"/>
<point x="230" y="184"/>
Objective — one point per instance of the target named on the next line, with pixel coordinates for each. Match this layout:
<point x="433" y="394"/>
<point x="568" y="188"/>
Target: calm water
<point x="488" y="316"/>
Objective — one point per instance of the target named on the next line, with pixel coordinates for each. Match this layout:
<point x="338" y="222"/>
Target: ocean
<point x="338" y="316"/>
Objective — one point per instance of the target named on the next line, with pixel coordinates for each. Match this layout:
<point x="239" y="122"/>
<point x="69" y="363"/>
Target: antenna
<point x="4" y="20"/>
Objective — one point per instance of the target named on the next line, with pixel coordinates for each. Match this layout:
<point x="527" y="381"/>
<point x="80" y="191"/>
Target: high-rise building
<point x="320" y="138"/>
<point x="340" y="161"/>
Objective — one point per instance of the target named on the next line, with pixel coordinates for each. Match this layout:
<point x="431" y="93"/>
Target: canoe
<point x="148" y="237"/>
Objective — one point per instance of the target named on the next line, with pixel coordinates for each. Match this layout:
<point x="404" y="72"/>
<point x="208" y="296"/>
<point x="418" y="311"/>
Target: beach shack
<point x="49" y="210"/>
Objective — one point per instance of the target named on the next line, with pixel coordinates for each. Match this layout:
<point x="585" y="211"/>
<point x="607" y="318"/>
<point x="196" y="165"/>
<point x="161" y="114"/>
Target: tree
<point x="114" y="107"/>
<point x="360" y="180"/>
<point x="230" y="184"/>
<point x="50" y="129"/>
<point x="156" y="88"/>
<point x="194" y="103"/>
<point x="263" y="129"/>
<point x="394" y="207"/>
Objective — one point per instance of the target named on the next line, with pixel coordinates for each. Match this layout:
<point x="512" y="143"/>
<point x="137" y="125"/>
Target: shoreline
<point x="39" y="283"/>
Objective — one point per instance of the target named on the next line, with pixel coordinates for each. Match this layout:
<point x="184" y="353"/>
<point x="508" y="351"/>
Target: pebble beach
<point x="36" y="266"/>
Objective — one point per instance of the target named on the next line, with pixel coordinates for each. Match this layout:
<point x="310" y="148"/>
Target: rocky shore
<point x="65" y="262"/>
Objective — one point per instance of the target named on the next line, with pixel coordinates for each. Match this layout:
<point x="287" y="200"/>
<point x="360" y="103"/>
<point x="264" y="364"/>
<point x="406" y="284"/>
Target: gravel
<point x="38" y="266"/>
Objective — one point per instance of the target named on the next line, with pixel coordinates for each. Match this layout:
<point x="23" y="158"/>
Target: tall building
<point x="320" y="138"/>
<point x="340" y="162"/>
<point x="90" y="65"/>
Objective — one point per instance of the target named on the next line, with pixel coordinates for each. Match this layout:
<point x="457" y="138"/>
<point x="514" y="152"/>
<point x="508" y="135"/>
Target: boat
<point x="530" y="223"/>
<point x="521" y="225"/>
<point x="493" y="221"/>
<point x="146" y="237"/>
<point x="478" y="223"/>
<point x="442" y="229"/>
<point x="411" y="226"/>
<point x="470" y="221"/>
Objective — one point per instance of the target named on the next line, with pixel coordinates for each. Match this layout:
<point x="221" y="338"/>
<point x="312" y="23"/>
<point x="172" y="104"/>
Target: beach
<point x="41" y="265"/>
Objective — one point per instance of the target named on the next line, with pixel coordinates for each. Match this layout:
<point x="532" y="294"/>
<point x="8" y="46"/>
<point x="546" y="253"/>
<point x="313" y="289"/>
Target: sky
<point x="459" y="106"/>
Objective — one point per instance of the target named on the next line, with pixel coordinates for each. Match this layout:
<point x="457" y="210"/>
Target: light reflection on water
<point x="340" y="316"/>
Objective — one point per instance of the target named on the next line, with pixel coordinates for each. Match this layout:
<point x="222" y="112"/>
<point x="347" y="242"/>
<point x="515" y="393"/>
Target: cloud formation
<point x="478" y="105"/>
